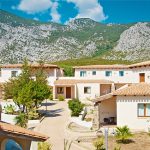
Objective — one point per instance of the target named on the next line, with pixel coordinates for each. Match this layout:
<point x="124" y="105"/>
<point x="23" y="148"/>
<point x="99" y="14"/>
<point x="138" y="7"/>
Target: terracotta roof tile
<point x="101" y="67"/>
<point x="34" y="65"/>
<point x="75" y="81"/>
<point x="145" y="63"/>
<point x="115" y="66"/>
<point x="139" y="89"/>
<point x="6" y="127"/>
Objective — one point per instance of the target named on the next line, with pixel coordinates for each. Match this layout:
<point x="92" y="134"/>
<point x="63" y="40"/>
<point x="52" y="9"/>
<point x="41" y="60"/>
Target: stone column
<point x="96" y="117"/>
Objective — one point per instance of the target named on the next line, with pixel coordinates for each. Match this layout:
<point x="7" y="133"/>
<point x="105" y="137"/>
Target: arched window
<point x="12" y="145"/>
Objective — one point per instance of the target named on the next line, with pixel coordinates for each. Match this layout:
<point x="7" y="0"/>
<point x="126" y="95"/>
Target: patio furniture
<point x="110" y="120"/>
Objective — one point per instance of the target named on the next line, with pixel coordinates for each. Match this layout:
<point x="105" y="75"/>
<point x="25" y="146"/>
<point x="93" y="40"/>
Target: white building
<point x="126" y="106"/>
<point x="12" y="70"/>
<point x="93" y="81"/>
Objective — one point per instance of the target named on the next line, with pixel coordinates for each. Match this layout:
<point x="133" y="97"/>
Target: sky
<point x="63" y="11"/>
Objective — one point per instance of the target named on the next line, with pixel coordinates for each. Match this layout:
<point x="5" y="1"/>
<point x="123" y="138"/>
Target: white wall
<point x="127" y="109"/>
<point x="6" y="73"/>
<point x="145" y="70"/>
<point x="95" y="91"/>
<point x="52" y="74"/>
<point x="130" y="75"/>
<point x="100" y="74"/>
<point x="107" y="108"/>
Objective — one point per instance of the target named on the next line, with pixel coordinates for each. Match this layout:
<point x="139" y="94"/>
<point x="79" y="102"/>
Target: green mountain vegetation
<point x="69" y="64"/>
<point x="80" y="42"/>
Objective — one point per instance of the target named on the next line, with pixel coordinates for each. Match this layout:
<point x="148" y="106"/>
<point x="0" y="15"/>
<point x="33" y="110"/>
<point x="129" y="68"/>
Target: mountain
<point x="134" y="44"/>
<point x="80" y="38"/>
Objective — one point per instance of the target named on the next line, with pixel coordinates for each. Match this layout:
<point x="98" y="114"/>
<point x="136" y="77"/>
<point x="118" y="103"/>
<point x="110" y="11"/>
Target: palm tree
<point x="99" y="144"/>
<point x="123" y="134"/>
<point x="21" y="120"/>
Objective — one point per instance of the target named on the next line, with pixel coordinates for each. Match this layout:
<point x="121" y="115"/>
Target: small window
<point x="82" y="73"/>
<point x="121" y="73"/>
<point x="87" y="90"/>
<point x="14" y="73"/>
<point x="108" y="73"/>
<point x="93" y="72"/>
<point x="143" y="110"/>
<point x="60" y="90"/>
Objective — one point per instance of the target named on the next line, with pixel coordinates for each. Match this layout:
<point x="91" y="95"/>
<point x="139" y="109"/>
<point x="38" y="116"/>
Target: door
<point x="142" y="77"/>
<point x="68" y="92"/>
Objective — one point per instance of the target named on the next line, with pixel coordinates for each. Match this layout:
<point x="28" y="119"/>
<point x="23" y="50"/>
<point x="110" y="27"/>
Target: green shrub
<point x="99" y="144"/>
<point x="117" y="148"/>
<point x="10" y="109"/>
<point x="33" y="115"/>
<point x="61" y="98"/>
<point x="75" y="106"/>
<point x="44" y="146"/>
<point x="21" y="120"/>
<point x="51" y="97"/>
<point x="123" y="134"/>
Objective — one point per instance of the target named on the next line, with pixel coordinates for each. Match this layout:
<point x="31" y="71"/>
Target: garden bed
<point x="8" y="118"/>
<point x="140" y="141"/>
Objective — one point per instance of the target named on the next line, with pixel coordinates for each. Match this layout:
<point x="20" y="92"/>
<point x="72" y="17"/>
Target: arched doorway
<point x="9" y="144"/>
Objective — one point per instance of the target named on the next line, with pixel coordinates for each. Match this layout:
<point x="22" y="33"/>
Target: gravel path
<point x="54" y="123"/>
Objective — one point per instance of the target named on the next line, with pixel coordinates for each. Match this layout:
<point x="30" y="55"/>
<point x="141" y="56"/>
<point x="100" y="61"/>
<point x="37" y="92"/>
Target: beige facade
<point x="128" y="105"/>
<point x="67" y="91"/>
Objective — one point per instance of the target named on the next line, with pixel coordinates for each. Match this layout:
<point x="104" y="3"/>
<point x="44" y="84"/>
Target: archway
<point x="9" y="144"/>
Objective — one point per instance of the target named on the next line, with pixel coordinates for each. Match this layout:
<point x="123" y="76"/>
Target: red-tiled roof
<point x="101" y="67"/>
<point x="8" y="128"/>
<point x="33" y="65"/>
<point x="139" y="89"/>
<point x="115" y="66"/>
<point x="145" y="63"/>
<point x="75" y="81"/>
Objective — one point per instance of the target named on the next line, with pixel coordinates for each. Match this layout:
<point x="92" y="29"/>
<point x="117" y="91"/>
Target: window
<point x="82" y="73"/>
<point x="93" y="72"/>
<point x="14" y="73"/>
<point x="60" y="90"/>
<point x="108" y="73"/>
<point x="143" y="110"/>
<point x="87" y="90"/>
<point x="121" y="73"/>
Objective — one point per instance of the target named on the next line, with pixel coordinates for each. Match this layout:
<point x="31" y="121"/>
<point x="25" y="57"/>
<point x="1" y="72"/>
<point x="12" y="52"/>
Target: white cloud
<point x="36" y="19"/>
<point x="34" y="6"/>
<point x="54" y="12"/>
<point x="89" y="9"/>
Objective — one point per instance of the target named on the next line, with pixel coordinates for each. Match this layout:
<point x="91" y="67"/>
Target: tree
<point x="26" y="92"/>
<point x="21" y="120"/>
<point x="123" y="134"/>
